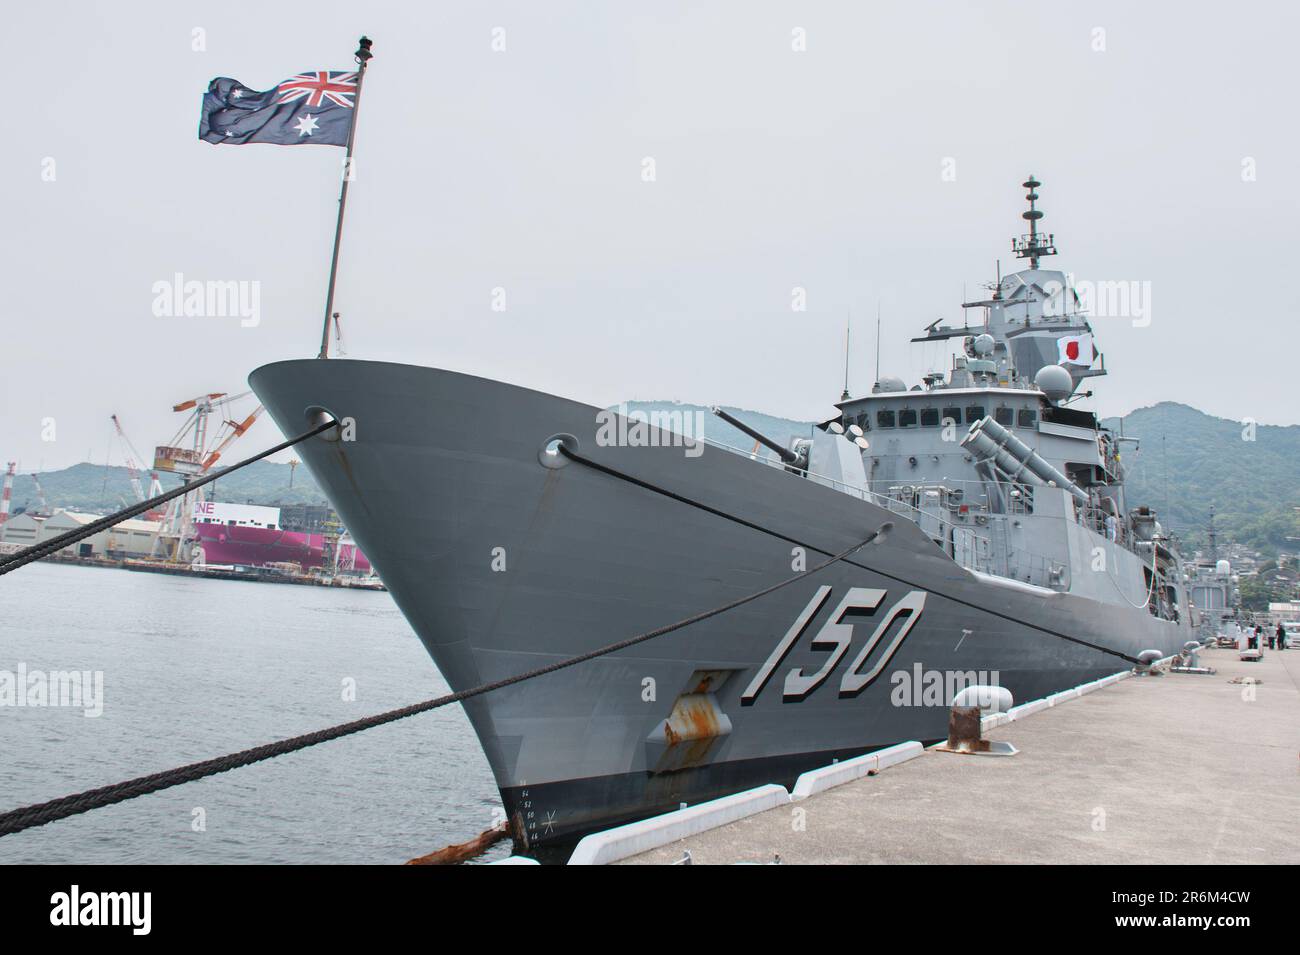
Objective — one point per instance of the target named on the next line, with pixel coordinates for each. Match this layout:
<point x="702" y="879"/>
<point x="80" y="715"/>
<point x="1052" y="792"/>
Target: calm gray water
<point x="198" y="668"/>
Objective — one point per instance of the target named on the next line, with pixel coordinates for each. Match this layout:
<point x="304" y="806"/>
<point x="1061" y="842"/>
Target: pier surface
<point x="1174" y="769"/>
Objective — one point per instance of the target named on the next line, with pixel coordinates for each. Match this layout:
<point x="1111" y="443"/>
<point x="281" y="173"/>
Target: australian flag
<point x="308" y="108"/>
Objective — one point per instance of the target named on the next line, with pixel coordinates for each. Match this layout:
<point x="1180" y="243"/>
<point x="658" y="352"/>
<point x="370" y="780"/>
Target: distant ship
<point x="513" y="533"/>
<point x="1212" y="590"/>
<point x="248" y="535"/>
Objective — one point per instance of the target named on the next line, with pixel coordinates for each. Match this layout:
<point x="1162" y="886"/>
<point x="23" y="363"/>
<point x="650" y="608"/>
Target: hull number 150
<point x="835" y="636"/>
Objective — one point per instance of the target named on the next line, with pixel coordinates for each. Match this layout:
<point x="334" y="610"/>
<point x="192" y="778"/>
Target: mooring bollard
<point x="964" y="722"/>
<point x="1146" y="661"/>
<point x="1189" y="662"/>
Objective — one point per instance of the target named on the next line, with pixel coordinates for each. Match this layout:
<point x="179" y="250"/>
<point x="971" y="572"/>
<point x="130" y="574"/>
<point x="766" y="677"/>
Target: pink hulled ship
<point x="251" y="535"/>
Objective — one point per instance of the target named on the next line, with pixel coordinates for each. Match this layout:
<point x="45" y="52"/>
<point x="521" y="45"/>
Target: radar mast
<point x="1033" y="246"/>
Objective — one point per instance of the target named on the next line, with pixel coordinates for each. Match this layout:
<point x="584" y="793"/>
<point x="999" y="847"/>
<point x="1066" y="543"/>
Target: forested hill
<point x="1186" y="462"/>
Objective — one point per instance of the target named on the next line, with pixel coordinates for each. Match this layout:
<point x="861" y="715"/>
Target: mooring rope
<point x="39" y="814"/>
<point x="44" y="549"/>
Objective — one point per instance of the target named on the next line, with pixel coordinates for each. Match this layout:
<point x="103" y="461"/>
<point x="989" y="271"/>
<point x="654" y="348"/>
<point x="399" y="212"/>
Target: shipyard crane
<point x="196" y="459"/>
<point x="40" y="495"/>
<point x="173" y="456"/>
<point x="237" y="430"/>
<point x="132" y="471"/>
<point x="133" y="468"/>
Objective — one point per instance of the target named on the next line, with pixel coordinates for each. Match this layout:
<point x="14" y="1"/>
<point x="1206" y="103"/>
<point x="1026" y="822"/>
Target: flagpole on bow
<point x="363" y="56"/>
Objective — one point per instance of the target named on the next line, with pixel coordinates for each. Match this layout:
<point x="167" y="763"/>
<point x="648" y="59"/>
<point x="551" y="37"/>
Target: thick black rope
<point x="614" y="472"/>
<point x="44" y="549"/>
<point x="27" y="817"/>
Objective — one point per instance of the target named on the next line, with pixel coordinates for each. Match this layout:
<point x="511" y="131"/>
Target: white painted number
<point x="836" y="636"/>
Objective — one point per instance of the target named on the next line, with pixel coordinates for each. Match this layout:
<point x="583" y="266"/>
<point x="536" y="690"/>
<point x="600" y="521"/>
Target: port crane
<point x="40" y="496"/>
<point x="133" y="468"/>
<point x="189" y="455"/>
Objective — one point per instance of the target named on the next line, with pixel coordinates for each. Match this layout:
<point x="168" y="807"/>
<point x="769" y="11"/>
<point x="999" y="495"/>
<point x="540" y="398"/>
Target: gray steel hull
<point x="443" y="481"/>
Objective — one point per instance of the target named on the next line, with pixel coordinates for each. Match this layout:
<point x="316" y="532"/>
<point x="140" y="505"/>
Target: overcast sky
<point x="522" y="169"/>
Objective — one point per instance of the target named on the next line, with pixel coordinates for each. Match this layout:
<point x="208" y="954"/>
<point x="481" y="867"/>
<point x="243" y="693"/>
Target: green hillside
<point x="1186" y="462"/>
<point x="100" y="489"/>
<point x="1254" y="485"/>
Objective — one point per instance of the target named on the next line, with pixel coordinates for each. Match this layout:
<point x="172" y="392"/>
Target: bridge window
<point x="1027" y="417"/>
<point x="929" y="417"/>
<point x="954" y="414"/>
<point x="907" y="418"/>
<point x="1004" y="416"/>
<point x="884" y="419"/>
<point x="974" y="413"/>
<point x="864" y="421"/>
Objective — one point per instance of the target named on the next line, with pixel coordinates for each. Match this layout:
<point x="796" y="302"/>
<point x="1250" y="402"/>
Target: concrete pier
<point x="1178" y="769"/>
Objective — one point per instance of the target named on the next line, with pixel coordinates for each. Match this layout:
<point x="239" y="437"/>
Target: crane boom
<point x="193" y="402"/>
<point x="40" y="494"/>
<point x="132" y="469"/>
<point x="237" y="429"/>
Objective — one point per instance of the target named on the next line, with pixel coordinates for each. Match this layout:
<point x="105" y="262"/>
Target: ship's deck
<point x="1177" y="769"/>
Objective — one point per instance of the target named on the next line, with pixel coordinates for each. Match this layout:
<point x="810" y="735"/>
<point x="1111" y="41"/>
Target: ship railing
<point x="893" y="504"/>
<point x="974" y="492"/>
<point x="1094" y="518"/>
<point x="854" y="490"/>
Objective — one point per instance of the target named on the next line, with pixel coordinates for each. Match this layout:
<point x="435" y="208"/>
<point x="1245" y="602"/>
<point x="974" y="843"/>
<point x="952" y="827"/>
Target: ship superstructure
<point x="996" y="465"/>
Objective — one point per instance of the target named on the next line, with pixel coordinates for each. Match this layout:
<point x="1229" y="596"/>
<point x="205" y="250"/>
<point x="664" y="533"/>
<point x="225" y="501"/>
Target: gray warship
<point x="516" y="529"/>
<point x="1212" y="590"/>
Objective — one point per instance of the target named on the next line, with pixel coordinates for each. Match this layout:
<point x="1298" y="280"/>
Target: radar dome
<point x="1055" y="382"/>
<point x="1222" y="568"/>
<point x="890" y="383"/>
<point x="983" y="345"/>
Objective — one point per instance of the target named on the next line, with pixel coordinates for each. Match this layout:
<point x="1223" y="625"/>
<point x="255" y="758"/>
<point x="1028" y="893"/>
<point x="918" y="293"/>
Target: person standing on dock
<point x="1281" y="636"/>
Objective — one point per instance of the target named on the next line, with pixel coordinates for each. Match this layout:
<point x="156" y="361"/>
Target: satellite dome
<point x="983" y="345"/>
<point x="890" y="383"/>
<point x="1055" y="382"/>
<point x="1223" y="568"/>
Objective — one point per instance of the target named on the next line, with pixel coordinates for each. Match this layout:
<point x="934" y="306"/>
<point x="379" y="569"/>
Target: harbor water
<point x="193" y="669"/>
